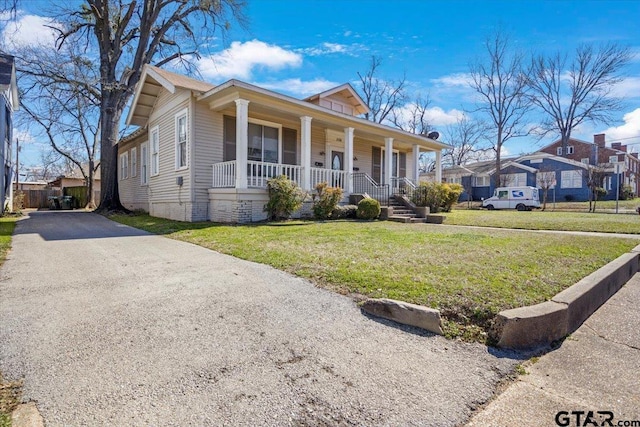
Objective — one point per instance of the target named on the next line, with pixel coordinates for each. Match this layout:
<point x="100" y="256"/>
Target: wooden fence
<point x="37" y="198"/>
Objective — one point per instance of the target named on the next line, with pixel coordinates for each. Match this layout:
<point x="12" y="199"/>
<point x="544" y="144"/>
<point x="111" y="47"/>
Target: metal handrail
<point x="364" y="184"/>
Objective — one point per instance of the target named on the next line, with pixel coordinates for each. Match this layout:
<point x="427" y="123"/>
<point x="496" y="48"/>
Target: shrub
<point x="368" y="208"/>
<point x="626" y="193"/>
<point x="346" y="211"/>
<point x="285" y="197"/>
<point x="439" y="197"/>
<point x="325" y="200"/>
<point x="569" y="198"/>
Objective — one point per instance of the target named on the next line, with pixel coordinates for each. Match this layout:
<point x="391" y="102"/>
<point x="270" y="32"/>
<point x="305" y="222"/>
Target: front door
<point x="337" y="164"/>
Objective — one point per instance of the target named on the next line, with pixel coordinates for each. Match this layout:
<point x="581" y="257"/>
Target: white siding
<point x="133" y="195"/>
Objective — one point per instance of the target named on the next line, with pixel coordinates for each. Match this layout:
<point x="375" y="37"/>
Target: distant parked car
<point x="520" y="198"/>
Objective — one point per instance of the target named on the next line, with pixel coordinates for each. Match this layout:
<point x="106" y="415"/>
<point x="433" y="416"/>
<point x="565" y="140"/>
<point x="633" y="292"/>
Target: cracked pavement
<point x="109" y="325"/>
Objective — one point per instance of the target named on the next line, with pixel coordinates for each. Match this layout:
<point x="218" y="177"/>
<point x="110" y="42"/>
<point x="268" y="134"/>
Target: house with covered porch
<point x="205" y="152"/>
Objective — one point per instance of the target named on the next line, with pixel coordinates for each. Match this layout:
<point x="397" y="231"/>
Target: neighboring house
<point x="597" y="153"/>
<point x="76" y="179"/>
<point x="30" y="185"/>
<point x="9" y="103"/>
<point x="205" y="152"/>
<point x="570" y="172"/>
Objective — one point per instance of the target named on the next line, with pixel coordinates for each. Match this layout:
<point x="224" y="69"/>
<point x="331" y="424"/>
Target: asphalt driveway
<point x="109" y="325"/>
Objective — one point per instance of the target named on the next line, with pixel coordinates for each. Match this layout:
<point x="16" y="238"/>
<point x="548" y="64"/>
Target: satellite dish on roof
<point x="433" y="135"/>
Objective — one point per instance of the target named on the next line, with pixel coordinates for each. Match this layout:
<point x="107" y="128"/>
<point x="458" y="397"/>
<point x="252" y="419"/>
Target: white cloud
<point x="298" y="87"/>
<point x="239" y="60"/>
<point x="332" y="48"/>
<point x="630" y="128"/>
<point x="436" y="116"/>
<point x="454" y="80"/>
<point x="629" y="87"/>
<point x="30" y="30"/>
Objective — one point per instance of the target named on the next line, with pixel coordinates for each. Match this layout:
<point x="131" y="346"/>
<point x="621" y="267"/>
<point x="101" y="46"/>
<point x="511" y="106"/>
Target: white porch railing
<point x="224" y="174"/>
<point x="335" y="178"/>
<point x="258" y="173"/>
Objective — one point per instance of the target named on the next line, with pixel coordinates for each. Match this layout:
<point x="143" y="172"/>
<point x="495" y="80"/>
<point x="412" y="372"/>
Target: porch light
<point x="355" y="159"/>
<point x="322" y="153"/>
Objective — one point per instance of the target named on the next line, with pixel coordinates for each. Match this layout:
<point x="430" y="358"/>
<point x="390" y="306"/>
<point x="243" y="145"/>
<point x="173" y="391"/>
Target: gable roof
<point x="348" y="92"/>
<point x="8" y="78"/>
<point x="152" y="80"/>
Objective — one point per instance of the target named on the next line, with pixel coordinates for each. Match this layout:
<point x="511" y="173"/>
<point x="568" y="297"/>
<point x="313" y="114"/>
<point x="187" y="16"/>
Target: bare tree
<point x="501" y="84"/>
<point x="546" y="180"/>
<point x="59" y="95"/>
<point x="465" y="138"/>
<point x="571" y="93"/>
<point x="412" y="117"/>
<point x="126" y="35"/>
<point x="381" y="96"/>
<point x="595" y="175"/>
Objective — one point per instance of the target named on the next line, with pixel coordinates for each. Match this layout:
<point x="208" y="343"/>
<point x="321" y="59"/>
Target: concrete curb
<point x="541" y="324"/>
<point x="405" y="313"/>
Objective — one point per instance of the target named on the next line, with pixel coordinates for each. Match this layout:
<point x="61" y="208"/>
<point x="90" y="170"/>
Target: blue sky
<point x="301" y="48"/>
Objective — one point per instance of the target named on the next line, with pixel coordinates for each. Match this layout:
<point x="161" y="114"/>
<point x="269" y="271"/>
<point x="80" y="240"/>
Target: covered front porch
<point x="266" y="135"/>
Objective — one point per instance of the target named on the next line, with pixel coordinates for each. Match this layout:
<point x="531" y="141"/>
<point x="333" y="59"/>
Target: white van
<point x="520" y="198"/>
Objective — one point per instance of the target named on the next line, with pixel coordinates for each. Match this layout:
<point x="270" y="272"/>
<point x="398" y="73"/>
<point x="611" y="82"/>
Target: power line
<point x="624" y="139"/>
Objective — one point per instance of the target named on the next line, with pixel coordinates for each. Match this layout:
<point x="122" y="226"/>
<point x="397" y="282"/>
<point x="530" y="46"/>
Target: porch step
<point x="403" y="219"/>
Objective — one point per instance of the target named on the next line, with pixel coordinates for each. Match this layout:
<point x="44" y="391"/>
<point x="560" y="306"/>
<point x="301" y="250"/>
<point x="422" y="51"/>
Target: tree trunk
<point x="109" y="119"/>
<point x="91" y="202"/>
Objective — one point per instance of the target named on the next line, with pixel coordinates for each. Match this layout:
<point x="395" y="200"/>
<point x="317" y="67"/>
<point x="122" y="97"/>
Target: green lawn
<point x="469" y="274"/>
<point x="9" y="390"/>
<point x="539" y="220"/>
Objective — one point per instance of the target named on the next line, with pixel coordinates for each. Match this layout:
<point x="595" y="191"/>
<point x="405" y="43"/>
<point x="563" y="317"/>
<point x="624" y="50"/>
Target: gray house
<point x="205" y="152"/>
<point x="8" y="104"/>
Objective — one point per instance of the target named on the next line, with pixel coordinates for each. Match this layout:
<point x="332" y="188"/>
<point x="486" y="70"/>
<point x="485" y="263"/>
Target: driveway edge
<point x="541" y="324"/>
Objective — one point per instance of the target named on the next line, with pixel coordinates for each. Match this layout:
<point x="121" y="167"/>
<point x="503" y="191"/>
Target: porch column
<point x="388" y="160"/>
<point x="439" y="166"/>
<point x="416" y="163"/>
<point x="242" y="141"/>
<point x="348" y="161"/>
<point x="305" y="151"/>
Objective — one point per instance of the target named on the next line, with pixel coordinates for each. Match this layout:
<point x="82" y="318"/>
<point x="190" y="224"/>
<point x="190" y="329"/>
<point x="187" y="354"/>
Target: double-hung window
<point x="144" y="163"/>
<point x="263" y="143"/>
<point x="571" y="179"/>
<point x="155" y="151"/>
<point x="124" y="165"/>
<point x="134" y="162"/>
<point x="181" y="140"/>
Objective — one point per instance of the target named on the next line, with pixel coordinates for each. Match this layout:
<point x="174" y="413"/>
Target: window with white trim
<point x="585" y="160"/>
<point x="483" y="181"/>
<point x="613" y="159"/>
<point x="514" y="179"/>
<point x="454" y="180"/>
<point x="144" y="163"/>
<point x="559" y="151"/>
<point x="155" y="151"/>
<point x="134" y="162"/>
<point x="124" y="165"/>
<point x="607" y="182"/>
<point x="546" y="179"/>
<point x="264" y="142"/>
<point x="571" y="179"/>
<point x="569" y="149"/>
<point x="181" y="140"/>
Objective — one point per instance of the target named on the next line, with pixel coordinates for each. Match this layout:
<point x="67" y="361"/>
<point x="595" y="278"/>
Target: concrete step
<point x="418" y="220"/>
<point x="404" y="219"/>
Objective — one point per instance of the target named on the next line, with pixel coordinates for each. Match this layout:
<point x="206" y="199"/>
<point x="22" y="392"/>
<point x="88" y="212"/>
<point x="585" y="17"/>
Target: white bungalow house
<point x="205" y="152"/>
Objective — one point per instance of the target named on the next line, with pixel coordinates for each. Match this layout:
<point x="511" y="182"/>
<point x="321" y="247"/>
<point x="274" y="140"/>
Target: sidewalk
<point x="596" y="369"/>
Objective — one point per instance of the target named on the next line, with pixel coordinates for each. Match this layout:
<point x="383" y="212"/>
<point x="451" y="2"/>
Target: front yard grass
<point x="469" y="274"/>
<point x="539" y="220"/>
<point x="9" y="390"/>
